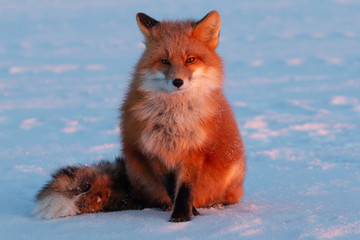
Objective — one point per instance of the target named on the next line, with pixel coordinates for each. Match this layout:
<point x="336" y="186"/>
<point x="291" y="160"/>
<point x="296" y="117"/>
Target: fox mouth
<point x="179" y="91"/>
<point x="174" y="90"/>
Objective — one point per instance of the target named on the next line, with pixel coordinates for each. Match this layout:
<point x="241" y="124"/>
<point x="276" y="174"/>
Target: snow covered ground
<point x="292" y="76"/>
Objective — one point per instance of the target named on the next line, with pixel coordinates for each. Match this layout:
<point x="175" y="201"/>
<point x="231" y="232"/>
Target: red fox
<point x="180" y="143"/>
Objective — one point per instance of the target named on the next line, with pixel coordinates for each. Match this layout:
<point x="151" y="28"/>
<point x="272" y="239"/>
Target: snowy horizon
<point x="292" y="77"/>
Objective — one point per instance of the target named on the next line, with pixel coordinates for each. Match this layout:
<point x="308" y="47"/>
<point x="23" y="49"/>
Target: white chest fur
<point x="173" y="125"/>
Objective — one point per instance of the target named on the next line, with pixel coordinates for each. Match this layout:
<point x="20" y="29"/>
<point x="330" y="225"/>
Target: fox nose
<point x="178" y="82"/>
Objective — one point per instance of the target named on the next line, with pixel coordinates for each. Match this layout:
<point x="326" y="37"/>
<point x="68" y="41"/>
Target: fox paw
<point x="179" y="217"/>
<point x="215" y="205"/>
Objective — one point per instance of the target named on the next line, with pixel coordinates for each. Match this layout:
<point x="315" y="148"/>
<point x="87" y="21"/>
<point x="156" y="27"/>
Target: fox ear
<point x="208" y="29"/>
<point x="145" y="23"/>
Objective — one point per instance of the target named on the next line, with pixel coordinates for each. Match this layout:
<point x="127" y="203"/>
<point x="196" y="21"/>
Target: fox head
<point x="179" y="55"/>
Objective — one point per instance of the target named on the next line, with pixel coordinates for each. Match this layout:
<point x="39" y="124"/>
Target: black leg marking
<point x="170" y="185"/>
<point x="183" y="205"/>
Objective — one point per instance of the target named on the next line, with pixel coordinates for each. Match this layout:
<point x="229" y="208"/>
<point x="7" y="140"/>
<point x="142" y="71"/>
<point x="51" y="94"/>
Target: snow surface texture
<point x="292" y="77"/>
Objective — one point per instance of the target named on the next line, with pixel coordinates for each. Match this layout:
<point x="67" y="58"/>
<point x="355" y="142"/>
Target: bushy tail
<point x="85" y="189"/>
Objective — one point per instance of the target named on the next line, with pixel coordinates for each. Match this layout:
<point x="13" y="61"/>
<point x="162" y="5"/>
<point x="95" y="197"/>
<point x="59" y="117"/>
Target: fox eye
<point x="165" y="61"/>
<point x="190" y="60"/>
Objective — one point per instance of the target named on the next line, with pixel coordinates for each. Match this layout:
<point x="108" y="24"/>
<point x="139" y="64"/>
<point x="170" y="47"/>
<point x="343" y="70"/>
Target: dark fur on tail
<point x="84" y="189"/>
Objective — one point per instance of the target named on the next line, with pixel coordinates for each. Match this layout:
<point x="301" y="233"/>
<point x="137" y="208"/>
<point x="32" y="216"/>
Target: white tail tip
<point x="55" y="206"/>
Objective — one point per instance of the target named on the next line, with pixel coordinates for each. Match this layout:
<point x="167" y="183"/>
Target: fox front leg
<point x="183" y="209"/>
<point x="183" y="206"/>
